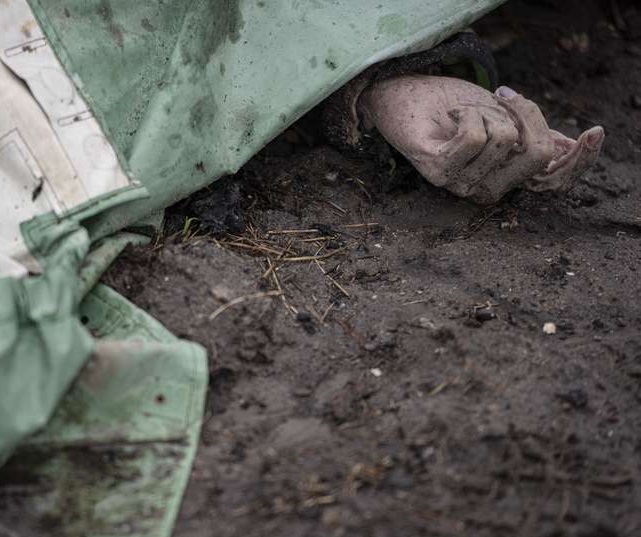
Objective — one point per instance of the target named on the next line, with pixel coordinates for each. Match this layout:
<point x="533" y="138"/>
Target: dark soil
<point x="403" y="385"/>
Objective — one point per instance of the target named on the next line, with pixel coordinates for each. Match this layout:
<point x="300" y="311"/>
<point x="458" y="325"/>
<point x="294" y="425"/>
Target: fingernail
<point x="505" y="92"/>
<point x="595" y="137"/>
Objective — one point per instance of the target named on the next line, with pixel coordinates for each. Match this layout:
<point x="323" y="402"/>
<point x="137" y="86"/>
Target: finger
<point x="536" y="150"/>
<point x="505" y="92"/>
<point x="525" y="112"/>
<point x="443" y="162"/>
<point x="502" y="138"/>
<point x="486" y="134"/>
<point x="453" y="157"/>
<point x="562" y="143"/>
<point x="563" y="171"/>
<point x="535" y="133"/>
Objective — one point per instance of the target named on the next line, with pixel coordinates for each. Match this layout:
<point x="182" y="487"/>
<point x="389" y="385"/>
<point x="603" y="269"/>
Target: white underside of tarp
<point x="54" y="155"/>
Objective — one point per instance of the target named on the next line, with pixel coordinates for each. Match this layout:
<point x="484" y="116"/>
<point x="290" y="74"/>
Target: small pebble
<point x="306" y="321"/>
<point x="303" y="317"/>
<point x="424" y="322"/>
<point x="221" y="293"/>
<point x="484" y="314"/>
<point x="549" y="328"/>
<point x="376" y="372"/>
<point x="577" y="398"/>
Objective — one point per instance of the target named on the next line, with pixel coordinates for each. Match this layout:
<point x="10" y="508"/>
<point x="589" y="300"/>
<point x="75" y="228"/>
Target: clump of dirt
<point x="388" y="372"/>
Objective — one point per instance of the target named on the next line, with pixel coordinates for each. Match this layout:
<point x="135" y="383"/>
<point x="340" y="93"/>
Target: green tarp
<point x="189" y="91"/>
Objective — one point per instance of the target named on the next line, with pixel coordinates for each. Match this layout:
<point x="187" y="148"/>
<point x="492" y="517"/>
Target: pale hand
<point x="475" y="143"/>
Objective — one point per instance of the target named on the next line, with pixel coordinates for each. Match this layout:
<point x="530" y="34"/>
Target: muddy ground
<point x="403" y="384"/>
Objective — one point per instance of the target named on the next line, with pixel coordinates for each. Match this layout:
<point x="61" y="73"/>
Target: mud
<point x="403" y="383"/>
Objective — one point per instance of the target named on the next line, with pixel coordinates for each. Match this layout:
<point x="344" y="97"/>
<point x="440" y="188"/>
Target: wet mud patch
<point x="46" y="491"/>
<point x="106" y="13"/>
<point x="208" y="27"/>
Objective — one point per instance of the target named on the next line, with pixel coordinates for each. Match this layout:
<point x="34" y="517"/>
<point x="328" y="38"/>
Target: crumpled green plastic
<point x="43" y="343"/>
<point x="116" y="456"/>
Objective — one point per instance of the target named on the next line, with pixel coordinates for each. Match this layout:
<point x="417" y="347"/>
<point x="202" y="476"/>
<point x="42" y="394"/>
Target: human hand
<point x="472" y="142"/>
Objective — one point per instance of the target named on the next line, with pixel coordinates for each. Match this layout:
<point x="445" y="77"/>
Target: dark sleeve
<point x="464" y="55"/>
